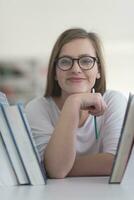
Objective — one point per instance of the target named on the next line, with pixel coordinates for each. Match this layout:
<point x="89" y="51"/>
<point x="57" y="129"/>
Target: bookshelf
<point x="23" y="79"/>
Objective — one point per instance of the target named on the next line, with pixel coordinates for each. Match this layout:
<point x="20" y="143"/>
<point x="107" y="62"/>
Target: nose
<point x="76" y="68"/>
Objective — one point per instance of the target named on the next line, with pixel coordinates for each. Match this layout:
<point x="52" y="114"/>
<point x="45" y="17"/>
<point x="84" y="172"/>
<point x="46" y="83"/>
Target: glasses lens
<point x="64" y="63"/>
<point x="86" y="62"/>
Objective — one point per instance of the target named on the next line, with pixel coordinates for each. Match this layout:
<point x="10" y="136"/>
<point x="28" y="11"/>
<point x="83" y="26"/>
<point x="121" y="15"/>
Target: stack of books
<point x="20" y="162"/>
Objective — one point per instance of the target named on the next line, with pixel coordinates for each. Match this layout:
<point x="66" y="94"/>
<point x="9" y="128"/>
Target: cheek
<point x="59" y="74"/>
<point x="91" y="76"/>
<point x="60" y="77"/>
<point x="93" y="73"/>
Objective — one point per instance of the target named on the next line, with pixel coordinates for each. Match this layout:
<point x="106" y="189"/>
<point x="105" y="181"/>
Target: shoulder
<point x="38" y="105"/>
<point x="38" y="101"/>
<point x="116" y="102"/>
<point x="111" y="96"/>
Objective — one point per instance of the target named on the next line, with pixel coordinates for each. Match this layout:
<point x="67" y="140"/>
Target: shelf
<point x="22" y="80"/>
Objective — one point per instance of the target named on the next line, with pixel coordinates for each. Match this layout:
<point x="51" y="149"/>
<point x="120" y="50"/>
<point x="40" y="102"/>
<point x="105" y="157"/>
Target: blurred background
<point x="29" y="29"/>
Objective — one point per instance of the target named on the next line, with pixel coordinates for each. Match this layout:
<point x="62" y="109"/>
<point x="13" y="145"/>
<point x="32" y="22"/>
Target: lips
<point x="76" y="79"/>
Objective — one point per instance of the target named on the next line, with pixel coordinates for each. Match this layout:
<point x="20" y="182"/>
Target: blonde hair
<point x="52" y="87"/>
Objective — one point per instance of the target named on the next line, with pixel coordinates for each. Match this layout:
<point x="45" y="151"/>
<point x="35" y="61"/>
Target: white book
<point x="25" y="144"/>
<point x="12" y="148"/>
<point x="125" y="144"/>
<point x="7" y="173"/>
<point x="3" y="98"/>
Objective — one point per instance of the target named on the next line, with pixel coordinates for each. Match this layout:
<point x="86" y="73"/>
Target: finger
<point x="97" y="111"/>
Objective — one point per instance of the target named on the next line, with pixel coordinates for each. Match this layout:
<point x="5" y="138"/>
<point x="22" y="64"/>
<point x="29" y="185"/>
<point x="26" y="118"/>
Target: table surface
<point x="85" y="188"/>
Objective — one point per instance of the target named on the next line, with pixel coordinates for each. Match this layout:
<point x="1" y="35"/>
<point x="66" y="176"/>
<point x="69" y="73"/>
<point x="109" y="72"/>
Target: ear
<point x="98" y="75"/>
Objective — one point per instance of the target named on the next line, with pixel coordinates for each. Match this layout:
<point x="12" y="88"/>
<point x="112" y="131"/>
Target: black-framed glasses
<point x="85" y="62"/>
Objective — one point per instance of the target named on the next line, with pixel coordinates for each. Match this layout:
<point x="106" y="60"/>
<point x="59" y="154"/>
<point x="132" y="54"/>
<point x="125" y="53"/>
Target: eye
<point x="86" y="61"/>
<point x="64" y="61"/>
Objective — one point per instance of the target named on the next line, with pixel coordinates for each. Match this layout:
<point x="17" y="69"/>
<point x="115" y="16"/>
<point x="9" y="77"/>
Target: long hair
<point x="52" y="87"/>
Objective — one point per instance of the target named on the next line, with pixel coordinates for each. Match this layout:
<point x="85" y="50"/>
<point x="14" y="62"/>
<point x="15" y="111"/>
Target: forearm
<point x="60" y="152"/>
<point x="92" y="165"/>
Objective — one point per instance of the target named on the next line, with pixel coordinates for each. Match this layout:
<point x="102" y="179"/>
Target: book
<point x="29" y="131"/>
<point x="12" y="148"/>
<point x="125" y="144"/>
<point x="7" y="173"/>
<point x="22" y="136"/>
<point x="3" y="99"/>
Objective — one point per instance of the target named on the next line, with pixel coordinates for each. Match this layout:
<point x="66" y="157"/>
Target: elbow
<point x="109" y="165"/>
<point x="56" y="174"/>
<point x="55" y="171"/>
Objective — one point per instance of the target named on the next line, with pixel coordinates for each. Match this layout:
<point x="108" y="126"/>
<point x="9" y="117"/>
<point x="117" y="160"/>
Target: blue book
<point x="21" y="133"/>
<point x="29" y="132"/>
<point x="3" y="99"/>
<point x="10" y="145"/>
<point x="8" y="175"/>
<point x="12" y="148"/>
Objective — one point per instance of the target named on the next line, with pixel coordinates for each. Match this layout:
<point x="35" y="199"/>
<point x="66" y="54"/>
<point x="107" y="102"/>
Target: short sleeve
<point x="113" y="120"/>
<point x="38" y="115"/>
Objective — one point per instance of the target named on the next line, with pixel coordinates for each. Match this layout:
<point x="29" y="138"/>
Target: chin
<point x="78" y="91"/>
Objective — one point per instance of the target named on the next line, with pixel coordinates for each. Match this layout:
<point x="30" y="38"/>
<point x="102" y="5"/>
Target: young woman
<point x="76" y="125"/>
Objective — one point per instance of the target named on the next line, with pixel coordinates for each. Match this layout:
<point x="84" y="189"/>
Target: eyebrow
<point x="79" y="56"/>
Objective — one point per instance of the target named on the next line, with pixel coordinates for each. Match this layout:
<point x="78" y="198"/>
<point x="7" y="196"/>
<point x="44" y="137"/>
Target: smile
<point x="76" y="79"/>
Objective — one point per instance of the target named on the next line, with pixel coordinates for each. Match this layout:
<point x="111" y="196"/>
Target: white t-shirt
<point x="43" y="114"/>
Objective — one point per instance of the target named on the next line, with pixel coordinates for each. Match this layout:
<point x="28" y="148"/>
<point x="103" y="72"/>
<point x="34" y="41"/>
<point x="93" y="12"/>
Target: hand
<point x="93" y="102"/>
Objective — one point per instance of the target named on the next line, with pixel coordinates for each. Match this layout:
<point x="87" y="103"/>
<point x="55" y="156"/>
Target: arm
<point x="101" y="164"/>
<point x="92" y="165"/>
<point x="60" y="152"/>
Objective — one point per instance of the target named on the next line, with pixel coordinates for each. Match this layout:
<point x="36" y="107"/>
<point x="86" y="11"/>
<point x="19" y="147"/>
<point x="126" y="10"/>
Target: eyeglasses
<point x="85" y="62"/>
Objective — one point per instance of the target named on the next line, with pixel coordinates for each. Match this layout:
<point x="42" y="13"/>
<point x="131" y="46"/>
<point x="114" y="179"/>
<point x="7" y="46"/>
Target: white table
<point x="84" y="188"/>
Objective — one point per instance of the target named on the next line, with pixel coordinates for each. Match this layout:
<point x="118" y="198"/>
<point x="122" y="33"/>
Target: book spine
<point x="14" y="141"/>
<point x="10" y="160"/>
<point x="28" y="130"/>
<point x="3" y="99"/>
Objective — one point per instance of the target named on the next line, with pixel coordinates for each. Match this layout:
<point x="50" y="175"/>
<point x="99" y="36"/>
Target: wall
<point x="29" y="28"/>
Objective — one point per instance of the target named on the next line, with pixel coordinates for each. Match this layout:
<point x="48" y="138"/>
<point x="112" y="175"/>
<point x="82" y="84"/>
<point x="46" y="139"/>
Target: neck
<point x="60" y="100"/>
